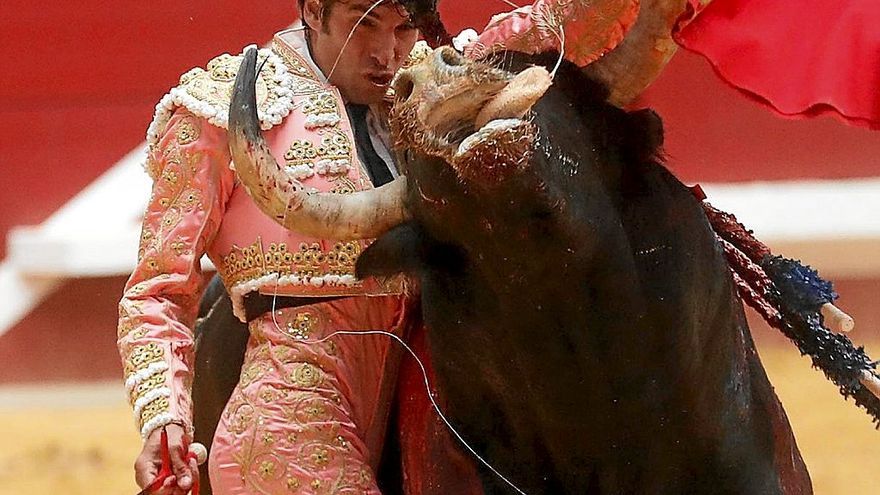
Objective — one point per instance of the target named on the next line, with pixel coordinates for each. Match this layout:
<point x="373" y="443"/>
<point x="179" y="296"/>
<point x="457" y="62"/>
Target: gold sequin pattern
<point x="335" y="145"/>
<point x="300" y="152"/>
<point x="313" y="454"/>
<point x="305" y="375"/>
<point x="342" y="257"/>
<point x="213" y="85"/>
<point x="320" y="103"/>
<point x="302" y="325"/>
<point x="243" y="263"/>
<point x="154" y="382"/>
<point x="175" y="196"/>
<point x="142" y="356"/>
<point x="308" y="260"/>
<point x="154" y="409"/>
<point x="278" y="259"/>
<point x="188" y="130"/>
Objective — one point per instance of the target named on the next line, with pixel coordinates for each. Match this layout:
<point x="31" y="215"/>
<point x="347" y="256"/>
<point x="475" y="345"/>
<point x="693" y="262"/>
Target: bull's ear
<point x="645" y="136"/>
<point x="397" y="251"/>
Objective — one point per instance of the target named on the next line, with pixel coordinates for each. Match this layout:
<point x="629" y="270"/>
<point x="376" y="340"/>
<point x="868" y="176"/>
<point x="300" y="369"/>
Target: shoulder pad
<point x="207" y="93"/>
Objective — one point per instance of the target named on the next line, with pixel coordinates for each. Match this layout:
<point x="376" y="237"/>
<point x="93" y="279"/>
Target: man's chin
<point x="369" y="94"/>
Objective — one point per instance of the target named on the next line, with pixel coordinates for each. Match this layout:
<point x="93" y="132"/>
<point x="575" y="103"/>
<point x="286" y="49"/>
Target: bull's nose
<point x="448" y="59"/>
<point x="403" y="85"/>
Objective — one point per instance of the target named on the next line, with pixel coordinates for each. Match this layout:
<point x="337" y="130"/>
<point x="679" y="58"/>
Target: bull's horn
<point x="638" y="60"/>
<point x="517" y="98"/>
<point x="364" y="214"/>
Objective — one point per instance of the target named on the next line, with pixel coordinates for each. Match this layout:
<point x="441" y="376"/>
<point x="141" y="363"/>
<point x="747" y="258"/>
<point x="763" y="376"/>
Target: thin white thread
<point x="561" y="37"/>
<point x="424" y="379"/>
<point x="350" y="34"/>
<point x="548" y="22"/>
<point x="427" y="390"/>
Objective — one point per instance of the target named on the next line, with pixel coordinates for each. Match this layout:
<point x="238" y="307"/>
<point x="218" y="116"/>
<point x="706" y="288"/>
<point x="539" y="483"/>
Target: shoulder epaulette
<point x="207" y="93"/>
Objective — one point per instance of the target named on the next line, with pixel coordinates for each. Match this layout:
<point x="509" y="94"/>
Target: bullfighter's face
<point x="471" y="114"/>
<point x="362" y="66"/>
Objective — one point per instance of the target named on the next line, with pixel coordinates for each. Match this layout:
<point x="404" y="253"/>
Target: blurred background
<point x="78" y="84"/>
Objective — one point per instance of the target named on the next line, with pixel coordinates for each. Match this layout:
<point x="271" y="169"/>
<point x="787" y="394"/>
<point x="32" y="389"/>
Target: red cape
<point x="805" y="58"/>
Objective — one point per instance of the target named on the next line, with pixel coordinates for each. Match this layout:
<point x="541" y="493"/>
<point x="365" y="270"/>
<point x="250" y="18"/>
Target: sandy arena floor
<point x="82" y="440"/>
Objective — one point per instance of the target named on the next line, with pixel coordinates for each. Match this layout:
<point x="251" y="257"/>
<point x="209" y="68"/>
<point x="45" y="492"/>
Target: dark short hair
<point x="326" y="5"/>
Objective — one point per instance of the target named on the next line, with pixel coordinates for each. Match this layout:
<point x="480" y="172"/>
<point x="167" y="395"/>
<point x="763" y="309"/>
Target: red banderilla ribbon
<point x="165" y="471"/>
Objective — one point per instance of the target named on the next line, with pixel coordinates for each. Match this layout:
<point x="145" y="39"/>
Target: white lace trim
<point x="300" y="172"/>
<point x="150" y="396"/>
<point x="157" y="422"/>
<point x="332" y="167"/>
<point x="321" y="120"/>
<point x="240" y="290"/>
<point x="135" y="379"/>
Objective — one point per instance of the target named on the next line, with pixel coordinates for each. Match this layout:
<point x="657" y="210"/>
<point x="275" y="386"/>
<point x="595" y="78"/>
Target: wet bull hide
<point x="582" y="321"/>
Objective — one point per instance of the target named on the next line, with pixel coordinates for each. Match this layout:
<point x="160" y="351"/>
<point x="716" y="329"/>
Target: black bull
<point x="582" y="321"/>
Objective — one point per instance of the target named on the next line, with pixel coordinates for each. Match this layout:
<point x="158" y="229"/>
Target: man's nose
<point x="384" y="52"/>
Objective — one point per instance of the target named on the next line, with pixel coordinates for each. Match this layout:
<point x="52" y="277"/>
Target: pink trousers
<point x="306" y="417"/>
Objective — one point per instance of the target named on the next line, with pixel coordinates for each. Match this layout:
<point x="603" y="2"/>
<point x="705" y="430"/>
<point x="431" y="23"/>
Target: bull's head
<point x="468" y="113"/>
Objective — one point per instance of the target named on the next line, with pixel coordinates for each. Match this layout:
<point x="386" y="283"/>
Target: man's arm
<point x="192" y="181"/>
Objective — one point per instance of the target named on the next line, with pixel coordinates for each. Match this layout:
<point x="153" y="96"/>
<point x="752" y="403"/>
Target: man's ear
<point x="311" y="14"/>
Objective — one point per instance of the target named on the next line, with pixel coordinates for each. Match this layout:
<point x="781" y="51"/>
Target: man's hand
<point x="149" y="462"/>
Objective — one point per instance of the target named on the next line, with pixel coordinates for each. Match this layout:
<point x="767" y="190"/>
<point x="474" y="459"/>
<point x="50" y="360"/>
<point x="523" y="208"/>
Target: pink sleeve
<point x="192" y="181"/>
<point x="590" y="28"/>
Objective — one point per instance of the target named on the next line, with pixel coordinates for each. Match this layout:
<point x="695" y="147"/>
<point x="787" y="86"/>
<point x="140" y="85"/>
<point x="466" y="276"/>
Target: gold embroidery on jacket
<point x="139" y="359"/>
<point x="243" y="263"/>
<point x="142" y="356"/>
<point x="300" y="152"/>
<point x="320" y="103"/>
<point x="175" y="195"/>
<point x="154" y="409"/>
<point x="278" y="259"/>
<point x="214" y="85"/>
<point x="342" y="257"/>
<point x="335" y="145"/>
<point x="154" y="382"/>
<point x="188" y="130"/>
<point x="343" y="185"/>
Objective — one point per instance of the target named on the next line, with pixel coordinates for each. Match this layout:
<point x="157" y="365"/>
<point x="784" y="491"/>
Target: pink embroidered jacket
<point x="197" y="207"/>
